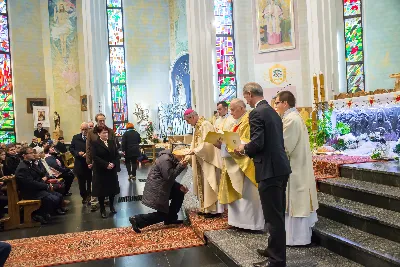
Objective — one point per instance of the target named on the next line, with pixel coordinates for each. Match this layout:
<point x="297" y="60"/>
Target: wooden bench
<point x="14" y="206"/>
<point x="68" y="160"/>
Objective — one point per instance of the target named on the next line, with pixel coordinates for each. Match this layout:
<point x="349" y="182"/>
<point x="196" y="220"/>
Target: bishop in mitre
<point x="206" y="164"/>
<point x="301" y="194"/>
<point x="238" y="187"/>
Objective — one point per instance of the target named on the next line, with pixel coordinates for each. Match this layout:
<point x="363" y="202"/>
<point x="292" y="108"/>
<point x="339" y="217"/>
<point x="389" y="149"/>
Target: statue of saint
<point x="381" y="123"/>
<point x="57" y="121"/>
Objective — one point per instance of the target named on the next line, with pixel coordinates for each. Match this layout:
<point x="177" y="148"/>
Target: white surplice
<point x="301" y="193"/>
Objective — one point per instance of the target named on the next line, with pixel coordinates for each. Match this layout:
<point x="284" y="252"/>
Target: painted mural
<point x="64" y="55"/>
<point x="178" y="28"/>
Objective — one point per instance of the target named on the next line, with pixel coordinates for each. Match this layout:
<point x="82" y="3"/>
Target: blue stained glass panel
<point x="115" y="31"/>
<point x="7" y="137"/>
<point x="3" y="6"/>
<point x="4" y="42"/>
<point x="223" y="16"/>
<point x="114" y="3"/>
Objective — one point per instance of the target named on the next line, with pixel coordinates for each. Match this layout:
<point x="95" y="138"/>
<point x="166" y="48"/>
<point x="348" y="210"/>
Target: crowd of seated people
<point x="40" y="174"/>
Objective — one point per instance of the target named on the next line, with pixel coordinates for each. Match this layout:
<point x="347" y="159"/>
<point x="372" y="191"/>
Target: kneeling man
<point x="160" y="188"/>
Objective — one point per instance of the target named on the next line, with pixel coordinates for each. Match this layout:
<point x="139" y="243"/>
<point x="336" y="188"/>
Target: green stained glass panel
<point x="115" y="32"/>
<point x="354" y="40"/>
<point x="7" y="137"/>
<point x="117" y="65"/>
<point x="355" y="78"/>
<point x="352" y="7"/>
<point x="227" y="88"/>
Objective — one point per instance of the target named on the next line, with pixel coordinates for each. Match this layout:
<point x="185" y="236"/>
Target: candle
<point x="315" y="83"/>
<point x="314" y="120"/>
<point x="322" y="86"/>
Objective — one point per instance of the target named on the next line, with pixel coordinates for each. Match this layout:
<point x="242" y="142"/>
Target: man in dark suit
<point x="40" y="132"/>
<point x="272" y="171"/>
<point x="32" y="186"/>
<point x="81" y="168"/>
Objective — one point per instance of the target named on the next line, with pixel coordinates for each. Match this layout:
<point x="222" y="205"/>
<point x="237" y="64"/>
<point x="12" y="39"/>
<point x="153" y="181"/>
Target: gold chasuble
<point x="206" y="165"/>
<point x="237" y="168"/>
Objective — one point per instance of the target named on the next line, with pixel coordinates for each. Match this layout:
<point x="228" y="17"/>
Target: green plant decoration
<point x="342" y="128"/>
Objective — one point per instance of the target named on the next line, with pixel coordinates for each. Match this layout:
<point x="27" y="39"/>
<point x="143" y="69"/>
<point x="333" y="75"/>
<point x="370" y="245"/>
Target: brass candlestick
<point x="314" y="115"/>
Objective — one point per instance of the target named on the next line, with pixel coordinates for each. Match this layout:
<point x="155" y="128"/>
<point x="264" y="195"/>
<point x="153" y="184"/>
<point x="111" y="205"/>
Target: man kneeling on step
<point x="160" y="188"/>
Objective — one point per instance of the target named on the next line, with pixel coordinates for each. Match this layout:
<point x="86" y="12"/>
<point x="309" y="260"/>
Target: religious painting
<point x="275" y="25"/>
<point x="32" y="102"/>
<point x="84" y="103"/>
<point x="41" y="115"/>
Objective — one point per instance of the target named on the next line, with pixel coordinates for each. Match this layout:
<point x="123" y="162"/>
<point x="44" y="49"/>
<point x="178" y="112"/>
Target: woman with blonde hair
<point x="131" y="150"/>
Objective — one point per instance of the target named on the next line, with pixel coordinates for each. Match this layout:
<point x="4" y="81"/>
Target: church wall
<point x="27" y="61"/>
<point x="255" y="66"/>
<point x="147" y="48"/>
<point x="381" y="41"/>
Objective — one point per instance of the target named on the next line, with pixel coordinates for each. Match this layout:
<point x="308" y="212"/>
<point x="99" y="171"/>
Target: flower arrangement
<point x="397" y="149"/>
<point x="150" y="135"/>
<point x="382" y="149"/>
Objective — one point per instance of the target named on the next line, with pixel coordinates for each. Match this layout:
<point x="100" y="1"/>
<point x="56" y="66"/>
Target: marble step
<point x="238" y="248"/>
<point x="386" y="172"/>
<point x="361" y="247"/>
<point x="381" y="196"/>
<point x="377" y="221"/>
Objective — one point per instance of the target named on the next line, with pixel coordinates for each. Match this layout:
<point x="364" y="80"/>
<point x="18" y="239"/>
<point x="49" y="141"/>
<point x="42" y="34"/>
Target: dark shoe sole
<point x="134" y="225"/>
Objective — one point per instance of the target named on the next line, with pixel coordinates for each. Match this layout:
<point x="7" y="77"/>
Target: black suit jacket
<point x="80" y="165"/>
<point x="40" y="134"/>
<point x="130" y="144"/>
<point x="29" y="181"/>
<point x="266" y="146"/>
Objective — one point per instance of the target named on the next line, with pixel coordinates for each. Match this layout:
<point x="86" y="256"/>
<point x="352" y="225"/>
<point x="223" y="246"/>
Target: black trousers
<point x="131" y="165"/>
<point x="273" y="198"/>
<point x="3" y="204"/>
<point x="176" y="196"/>
<point x="68" y="178"/>
<point x="101" y="202"/>
<point x="49" y="204"/>
<point x="5" y="250"/>
<point x="85" y="184"/>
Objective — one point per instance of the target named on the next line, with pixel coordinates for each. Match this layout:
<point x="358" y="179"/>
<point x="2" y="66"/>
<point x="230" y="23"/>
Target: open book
<point x="231" y="139"/>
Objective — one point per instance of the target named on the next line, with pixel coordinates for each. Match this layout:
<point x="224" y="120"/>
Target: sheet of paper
<point x="213" y="137"/>
<point x="232" y="139"/>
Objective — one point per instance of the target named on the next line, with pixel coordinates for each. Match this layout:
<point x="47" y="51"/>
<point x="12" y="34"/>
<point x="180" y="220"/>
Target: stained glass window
<point x="116" y="49"/>
<point x="353" y="31"/>
<point x="7" y="119"/>
<point x="225" y="48"/>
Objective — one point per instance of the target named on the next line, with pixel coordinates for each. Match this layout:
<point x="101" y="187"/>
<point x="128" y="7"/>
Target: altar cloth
<point x="327" y="166"/>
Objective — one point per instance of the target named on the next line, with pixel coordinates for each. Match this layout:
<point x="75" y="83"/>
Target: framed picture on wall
<point x="84" y="103"/>
<point x="275" y="25"/>
<point x="31" y="102"/>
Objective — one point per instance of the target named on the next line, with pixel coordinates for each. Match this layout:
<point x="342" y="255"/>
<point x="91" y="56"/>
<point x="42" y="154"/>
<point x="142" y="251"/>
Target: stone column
<point x="201" y="35"/>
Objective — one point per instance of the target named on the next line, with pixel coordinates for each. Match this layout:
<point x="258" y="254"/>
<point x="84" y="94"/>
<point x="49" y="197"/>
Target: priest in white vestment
<point x="238" y="187"/>
<point x="224" y="120"/>
<point x="206" y="163"/>
<point x="301" y="195"/>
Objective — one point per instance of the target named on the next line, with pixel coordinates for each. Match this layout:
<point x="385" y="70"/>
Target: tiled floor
<point x="80" y="218"/>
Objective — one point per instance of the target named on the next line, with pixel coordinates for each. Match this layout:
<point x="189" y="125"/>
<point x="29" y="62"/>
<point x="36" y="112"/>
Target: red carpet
<point x="328" y="166"/>
<point x="100" y="244"/>
<point x="201" y="225"/>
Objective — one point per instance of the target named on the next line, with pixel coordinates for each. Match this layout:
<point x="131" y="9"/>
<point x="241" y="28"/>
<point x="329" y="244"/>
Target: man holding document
<point x="238" y="186"/>
<point x="206" y="164"/>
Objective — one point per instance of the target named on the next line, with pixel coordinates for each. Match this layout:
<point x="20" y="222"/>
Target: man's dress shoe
<point x="263" y="252"/>
<point x="135" y="227"/>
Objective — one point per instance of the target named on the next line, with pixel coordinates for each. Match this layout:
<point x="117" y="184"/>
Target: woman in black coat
<point x="130" y="147"/>
<point x="105" y="178"/>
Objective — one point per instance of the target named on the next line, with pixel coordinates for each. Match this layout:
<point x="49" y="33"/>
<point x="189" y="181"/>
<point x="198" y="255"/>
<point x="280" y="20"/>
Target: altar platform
<point x="359" y="221"/>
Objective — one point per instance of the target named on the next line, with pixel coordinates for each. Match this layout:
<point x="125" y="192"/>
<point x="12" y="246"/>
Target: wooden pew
<point x="14" y="205"/>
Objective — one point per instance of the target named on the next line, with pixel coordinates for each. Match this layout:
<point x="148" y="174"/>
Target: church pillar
<point x="321" y="21"/>
<point x="96" y="59"/>
<point x="201" y="35"/>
